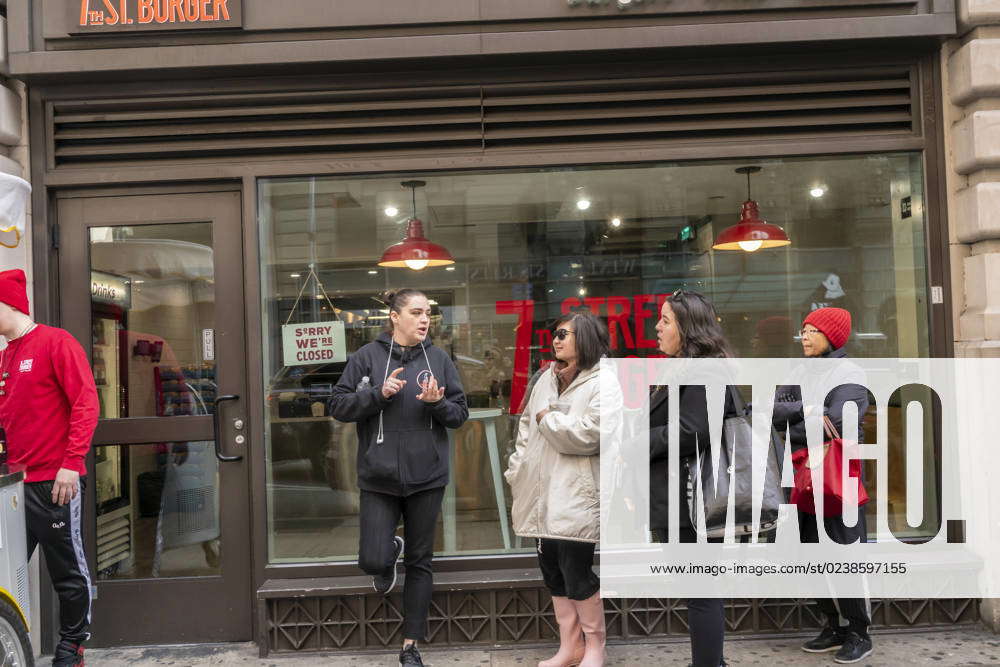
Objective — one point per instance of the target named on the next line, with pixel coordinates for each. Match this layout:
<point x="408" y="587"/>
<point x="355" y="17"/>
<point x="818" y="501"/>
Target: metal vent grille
<point x="196" y="509"/>
<point x="490" y="117"/>
<point x="23" y="598"/>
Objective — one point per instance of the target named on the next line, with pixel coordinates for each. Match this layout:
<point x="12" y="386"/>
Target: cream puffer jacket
<point x="554" y="472"/>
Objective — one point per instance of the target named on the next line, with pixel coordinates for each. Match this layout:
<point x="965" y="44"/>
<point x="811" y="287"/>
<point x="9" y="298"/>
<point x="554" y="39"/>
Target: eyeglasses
<point x="560" y="334"/>
<point x="809" y="332"/>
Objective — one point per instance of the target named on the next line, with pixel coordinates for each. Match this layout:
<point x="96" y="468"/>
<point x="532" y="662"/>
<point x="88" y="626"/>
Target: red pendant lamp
<point x="415" y="251"/>
<point x="750" y="233"/>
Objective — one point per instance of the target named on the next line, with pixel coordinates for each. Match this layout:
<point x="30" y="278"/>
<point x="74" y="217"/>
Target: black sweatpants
<point x="379" y="516"/>
<point x="706" y="616"/>
<point x="57" y="529"/>
<point x="853" y="610"/>
<point x="568" y="568"/>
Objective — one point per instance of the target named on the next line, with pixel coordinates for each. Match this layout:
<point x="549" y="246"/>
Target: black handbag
<point x="735" y="463"/>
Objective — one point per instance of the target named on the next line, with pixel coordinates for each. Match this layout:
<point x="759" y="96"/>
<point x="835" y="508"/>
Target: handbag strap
<point x="830" y="428"/>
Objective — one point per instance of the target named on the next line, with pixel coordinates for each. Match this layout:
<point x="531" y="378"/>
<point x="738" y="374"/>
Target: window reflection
<point x="527" y="251"/>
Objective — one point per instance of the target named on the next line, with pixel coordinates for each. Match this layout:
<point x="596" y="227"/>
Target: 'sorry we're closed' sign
<point x="123" y="15"/>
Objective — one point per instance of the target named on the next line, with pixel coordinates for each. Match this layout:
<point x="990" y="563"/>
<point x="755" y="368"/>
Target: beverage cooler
<point x="109" y="328"/>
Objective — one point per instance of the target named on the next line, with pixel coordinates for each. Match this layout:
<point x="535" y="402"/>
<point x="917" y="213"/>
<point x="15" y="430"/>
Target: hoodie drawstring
<point x="381" y="433"/>
<point x="430" y="418"/>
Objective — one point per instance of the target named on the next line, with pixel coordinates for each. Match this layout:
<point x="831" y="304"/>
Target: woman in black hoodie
<point x="403" y="393"/>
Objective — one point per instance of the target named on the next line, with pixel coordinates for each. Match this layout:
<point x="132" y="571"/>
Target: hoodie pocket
<point x="379" y="463"/>
<point x="420" y="459"/>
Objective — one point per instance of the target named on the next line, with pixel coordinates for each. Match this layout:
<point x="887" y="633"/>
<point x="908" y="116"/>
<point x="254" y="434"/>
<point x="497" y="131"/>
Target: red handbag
<point x="803" y="494"/>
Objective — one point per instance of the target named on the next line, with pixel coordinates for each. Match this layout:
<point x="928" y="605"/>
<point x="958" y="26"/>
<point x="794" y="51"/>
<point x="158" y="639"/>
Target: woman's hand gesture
<point x="431" y="393"/>
<point x="393" y="384"/>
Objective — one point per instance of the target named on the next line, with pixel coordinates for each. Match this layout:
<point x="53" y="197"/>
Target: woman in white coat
<point x="554" y="474"/>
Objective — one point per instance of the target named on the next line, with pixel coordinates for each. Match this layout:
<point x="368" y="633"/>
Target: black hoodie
<point x="413" y="454"/>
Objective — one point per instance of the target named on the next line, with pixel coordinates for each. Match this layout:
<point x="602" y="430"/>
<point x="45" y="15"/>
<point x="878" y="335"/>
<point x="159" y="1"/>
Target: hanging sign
<point x="142" y="15"/>
<point x="314" y="343"/>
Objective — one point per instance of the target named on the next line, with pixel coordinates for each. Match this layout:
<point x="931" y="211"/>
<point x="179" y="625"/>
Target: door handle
<point x="217" y="428"/>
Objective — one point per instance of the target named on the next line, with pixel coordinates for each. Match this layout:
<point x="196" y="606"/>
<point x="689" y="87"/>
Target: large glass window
<point x="531" y="245"/>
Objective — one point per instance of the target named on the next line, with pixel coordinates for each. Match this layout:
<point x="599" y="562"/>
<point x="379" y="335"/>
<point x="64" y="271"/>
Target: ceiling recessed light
<point x="583" y="204"/>
<point x="449" y="268"/>
<point x="138" y="282"/>
<point x="817" y="192"/>
<point x="391" y="211"/>
<point x="319" y="296"/>
<point x="616" y="222"/>
<point x="295" y="275"/>
<point x="373" y="272"/>
<point x="583" y="290"/>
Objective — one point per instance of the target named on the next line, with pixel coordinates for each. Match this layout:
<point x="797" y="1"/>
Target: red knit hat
<point x="14" y="290"/>
<point x="834" y="323"/>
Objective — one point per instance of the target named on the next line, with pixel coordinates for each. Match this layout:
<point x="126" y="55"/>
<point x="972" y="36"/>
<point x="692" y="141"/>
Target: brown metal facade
<point x="473" y="85"/>
<point x="524" y="616"/>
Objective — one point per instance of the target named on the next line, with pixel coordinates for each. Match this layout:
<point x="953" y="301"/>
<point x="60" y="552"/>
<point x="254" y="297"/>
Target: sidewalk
<point x="951" y="648"/>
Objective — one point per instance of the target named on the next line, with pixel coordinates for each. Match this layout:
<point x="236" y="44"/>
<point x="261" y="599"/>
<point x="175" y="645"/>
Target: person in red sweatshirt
<point x="48" y="413"/>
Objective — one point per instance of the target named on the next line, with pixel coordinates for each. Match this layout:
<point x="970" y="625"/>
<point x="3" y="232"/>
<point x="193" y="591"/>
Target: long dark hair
<point x="701" y="333"/>
<point x="396" y="300"/>
<point x="592" y="339"/>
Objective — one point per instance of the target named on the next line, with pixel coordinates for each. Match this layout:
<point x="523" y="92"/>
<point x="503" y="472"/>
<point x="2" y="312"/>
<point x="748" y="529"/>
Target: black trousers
<point x="380" y="515"/>
<point x="706" y="616"/>
<point x="853" y="610"/>
<point x="57" y="529"/>
<point x="568" y="568"/>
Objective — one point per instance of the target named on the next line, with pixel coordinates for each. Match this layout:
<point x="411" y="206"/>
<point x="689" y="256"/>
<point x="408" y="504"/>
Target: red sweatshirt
<point x="49" y="406"/>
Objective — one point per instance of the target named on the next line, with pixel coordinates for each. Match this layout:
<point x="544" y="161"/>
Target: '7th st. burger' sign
<point x="117" y="15"/>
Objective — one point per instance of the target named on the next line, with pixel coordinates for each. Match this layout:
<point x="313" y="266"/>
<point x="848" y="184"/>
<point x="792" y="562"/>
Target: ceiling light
<point x="433" y="302"/>
<point x="372" y="272"/>
<point x="415" y="252"/>
<point x="817" y="192"/>
<point x="295" y="275"/>
<point x="391" y="211"/>
<point x="750" y="233"/>
<point x="616" y="222"/>
<point x="138" y="282"/>
<point x="583" y="290"/>
<point x="583" y="204"/>
<point x="449" y="268"/>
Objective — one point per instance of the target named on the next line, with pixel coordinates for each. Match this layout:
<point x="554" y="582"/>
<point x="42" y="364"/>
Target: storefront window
<point x="531" y="245"/>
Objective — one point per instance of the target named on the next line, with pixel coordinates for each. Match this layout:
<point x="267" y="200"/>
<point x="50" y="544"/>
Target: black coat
<point x="789" y="412"/>
<point x="693" y="429"/>
<point x="413" y="455"/>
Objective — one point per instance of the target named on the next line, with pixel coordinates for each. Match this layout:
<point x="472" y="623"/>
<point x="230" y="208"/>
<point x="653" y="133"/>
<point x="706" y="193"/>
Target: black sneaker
<point x="410" y="656"/>
<point x="385" y="582"/>
<point x="68" y="654"/>
<point x="830" y="639"/>
<point x="855" y="649"/>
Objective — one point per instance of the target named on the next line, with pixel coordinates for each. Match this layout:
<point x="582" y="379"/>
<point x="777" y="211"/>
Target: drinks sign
<point x="141" y="15"/>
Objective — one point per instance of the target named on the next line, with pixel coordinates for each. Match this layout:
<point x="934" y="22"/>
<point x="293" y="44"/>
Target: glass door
<point x="153" y="285"/>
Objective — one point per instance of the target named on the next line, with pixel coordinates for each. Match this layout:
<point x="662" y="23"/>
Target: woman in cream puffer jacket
<point x="554" y="475"/>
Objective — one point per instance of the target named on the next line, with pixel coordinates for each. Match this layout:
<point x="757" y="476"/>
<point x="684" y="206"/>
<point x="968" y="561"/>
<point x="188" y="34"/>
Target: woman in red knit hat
<point x="825" y="333"/>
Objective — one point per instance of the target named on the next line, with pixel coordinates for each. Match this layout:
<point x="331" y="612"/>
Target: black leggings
<point x="379" y="516"/>
<point x="568" y="568"/>
<point x="706" y="616"/>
